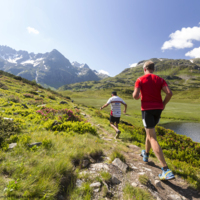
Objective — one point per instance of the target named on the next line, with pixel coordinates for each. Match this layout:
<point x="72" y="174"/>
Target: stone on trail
<point x="95" y="185"/>
<point x="99" y="166"/>
<point x="173" y="197"/>
<point x="12" y="145"/>
<point x="118" y="163"/>
<point x="79" y="183"/>
<point x="134" y="184"/>
<point x="158" y="183"/>
<point x="115" y="181"/>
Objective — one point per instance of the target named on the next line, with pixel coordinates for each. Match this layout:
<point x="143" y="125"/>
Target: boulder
<point x="118" y="163"/>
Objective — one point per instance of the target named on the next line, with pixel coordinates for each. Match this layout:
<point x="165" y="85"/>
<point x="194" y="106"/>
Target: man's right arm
<point x="168" y="95"/>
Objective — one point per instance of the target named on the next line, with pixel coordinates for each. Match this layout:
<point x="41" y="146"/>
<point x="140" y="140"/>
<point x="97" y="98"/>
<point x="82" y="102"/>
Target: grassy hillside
<point x="54" y="137"/>
<point x="180" y="74"/>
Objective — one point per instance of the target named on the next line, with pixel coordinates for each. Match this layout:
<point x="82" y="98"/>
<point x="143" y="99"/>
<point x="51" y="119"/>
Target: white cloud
<point x="194" y="53"/>
<point x="181" y="39"/>
<point x="133" y="65"/>
<point x="103" y="72"/>
<point x="32" y="30"/>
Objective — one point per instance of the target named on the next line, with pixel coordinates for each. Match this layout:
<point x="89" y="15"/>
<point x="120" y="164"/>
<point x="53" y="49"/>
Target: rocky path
<point x="177" y="189"/>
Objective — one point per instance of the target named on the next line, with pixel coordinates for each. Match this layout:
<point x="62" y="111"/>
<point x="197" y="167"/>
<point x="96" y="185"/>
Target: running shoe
<point x="145" y="157"/>
<point x="166" y="175"/>
<point x="117" y="134"/>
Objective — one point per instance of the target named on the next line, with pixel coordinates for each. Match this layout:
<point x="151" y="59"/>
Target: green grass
<point x="176" y="110"/>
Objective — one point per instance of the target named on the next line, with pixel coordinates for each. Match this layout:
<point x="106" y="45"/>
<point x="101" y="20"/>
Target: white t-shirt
<point x="115" y="102"/>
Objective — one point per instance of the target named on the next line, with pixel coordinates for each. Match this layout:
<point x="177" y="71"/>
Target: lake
<point x="191" y="130"/>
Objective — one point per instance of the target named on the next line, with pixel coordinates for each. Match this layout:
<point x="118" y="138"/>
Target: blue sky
<point x="108" y="35"/>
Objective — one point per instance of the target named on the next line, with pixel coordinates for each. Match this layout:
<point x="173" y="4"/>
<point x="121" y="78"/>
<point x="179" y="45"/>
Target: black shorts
<point x="150" y="118"/>
<point x="114" y="119"/>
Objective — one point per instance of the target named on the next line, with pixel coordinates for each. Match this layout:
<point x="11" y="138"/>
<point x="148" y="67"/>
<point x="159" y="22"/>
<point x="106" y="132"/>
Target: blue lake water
<point x="191" y="130"/>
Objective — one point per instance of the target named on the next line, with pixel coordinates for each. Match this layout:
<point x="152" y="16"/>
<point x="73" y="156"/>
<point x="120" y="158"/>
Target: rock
<point x="118" y="163"/>
<point x="141" y="173"/>
<point x="158" y="184"/>
<point x="83" y="114"/>
<point x="173" y="197"/>
<point x="100" y="166"/>
<point x="79" y="183"/>
<point x="15" y="113"/>
<point x="12" y="145"/>
<point x="134" y="184"/>
<point x="147" y="169"/>
<point x="85" y="163"/>
<point x="95" y="185"/>
<point x="35" y="144"/>
<point x="43" y="105"/>
<point x="38" y="91"/>
<point x="96" y="190"/>
<point x="132" y="166"/>
<point x="63" y="102"/>
<point x="41" y="96"/>
<point x="25" y="106"/>
<point x="11" y="119"/>
<point x="115" y="181"/>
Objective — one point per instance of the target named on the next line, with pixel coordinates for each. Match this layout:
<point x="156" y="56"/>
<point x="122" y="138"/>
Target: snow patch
<point x="103" y="72"/>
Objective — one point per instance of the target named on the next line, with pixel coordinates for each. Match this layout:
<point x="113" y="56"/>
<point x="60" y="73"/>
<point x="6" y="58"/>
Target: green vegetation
<point x="132" y="193"/>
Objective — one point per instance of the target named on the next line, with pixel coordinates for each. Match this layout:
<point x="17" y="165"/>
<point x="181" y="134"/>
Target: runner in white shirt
<point x="115" y="114"/>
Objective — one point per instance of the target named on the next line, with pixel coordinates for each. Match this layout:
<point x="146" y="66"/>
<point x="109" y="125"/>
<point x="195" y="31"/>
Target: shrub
<point x="3" y="86"/>
<point x="52" y="97"/>
<point x="7" y="128"/>
<point x="14" y="99"/>
<point x="27" y="95"/>
<point x="132" y="193"/>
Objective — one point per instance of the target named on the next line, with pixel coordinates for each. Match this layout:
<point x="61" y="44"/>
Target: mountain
<point x="48" y="69"/>
<point x="180" y="74"/>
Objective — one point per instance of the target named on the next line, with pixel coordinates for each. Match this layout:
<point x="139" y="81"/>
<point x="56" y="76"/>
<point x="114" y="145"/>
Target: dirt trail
<point x="167" y="190"/>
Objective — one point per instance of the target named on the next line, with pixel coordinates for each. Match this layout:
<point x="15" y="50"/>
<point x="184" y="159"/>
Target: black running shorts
<point x="114" y="119"/>
<point x="150" y="118"/>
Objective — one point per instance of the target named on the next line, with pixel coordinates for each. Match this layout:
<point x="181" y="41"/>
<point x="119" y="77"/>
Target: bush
<point x="14" y="99"/>
<point x="27" y="95"/>
<point x="7" y="128"/>
<point x="52" y="97"/>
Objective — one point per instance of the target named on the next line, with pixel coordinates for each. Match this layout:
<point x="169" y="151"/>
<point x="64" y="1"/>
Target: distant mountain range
<point x="48" y="69"/>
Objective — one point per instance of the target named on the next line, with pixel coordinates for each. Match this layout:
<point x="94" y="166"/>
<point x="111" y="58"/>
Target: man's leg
<point x="113" y="126"/>
<point x="151" y="141"/>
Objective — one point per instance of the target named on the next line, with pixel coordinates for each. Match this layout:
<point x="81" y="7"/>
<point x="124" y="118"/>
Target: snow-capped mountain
<point x="51" y="68"/>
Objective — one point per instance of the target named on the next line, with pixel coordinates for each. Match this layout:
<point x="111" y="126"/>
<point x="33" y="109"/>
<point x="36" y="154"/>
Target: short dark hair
<point x="149" y="65"/>
<point x="114" y="93"/>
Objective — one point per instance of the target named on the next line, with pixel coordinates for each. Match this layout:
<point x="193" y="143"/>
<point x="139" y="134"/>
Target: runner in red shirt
<point x="149" y="88"/>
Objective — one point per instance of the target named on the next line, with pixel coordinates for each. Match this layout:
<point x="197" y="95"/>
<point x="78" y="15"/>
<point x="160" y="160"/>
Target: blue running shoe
<point x="166" y="175"/>
<point x="145" y="157"/>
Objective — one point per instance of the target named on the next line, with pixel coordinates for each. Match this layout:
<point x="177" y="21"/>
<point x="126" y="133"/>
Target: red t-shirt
<point x="150" y="87"/>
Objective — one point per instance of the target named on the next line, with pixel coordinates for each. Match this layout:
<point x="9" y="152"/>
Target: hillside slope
<point x="52" y="148"/>
<point x="180" y="74"/>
